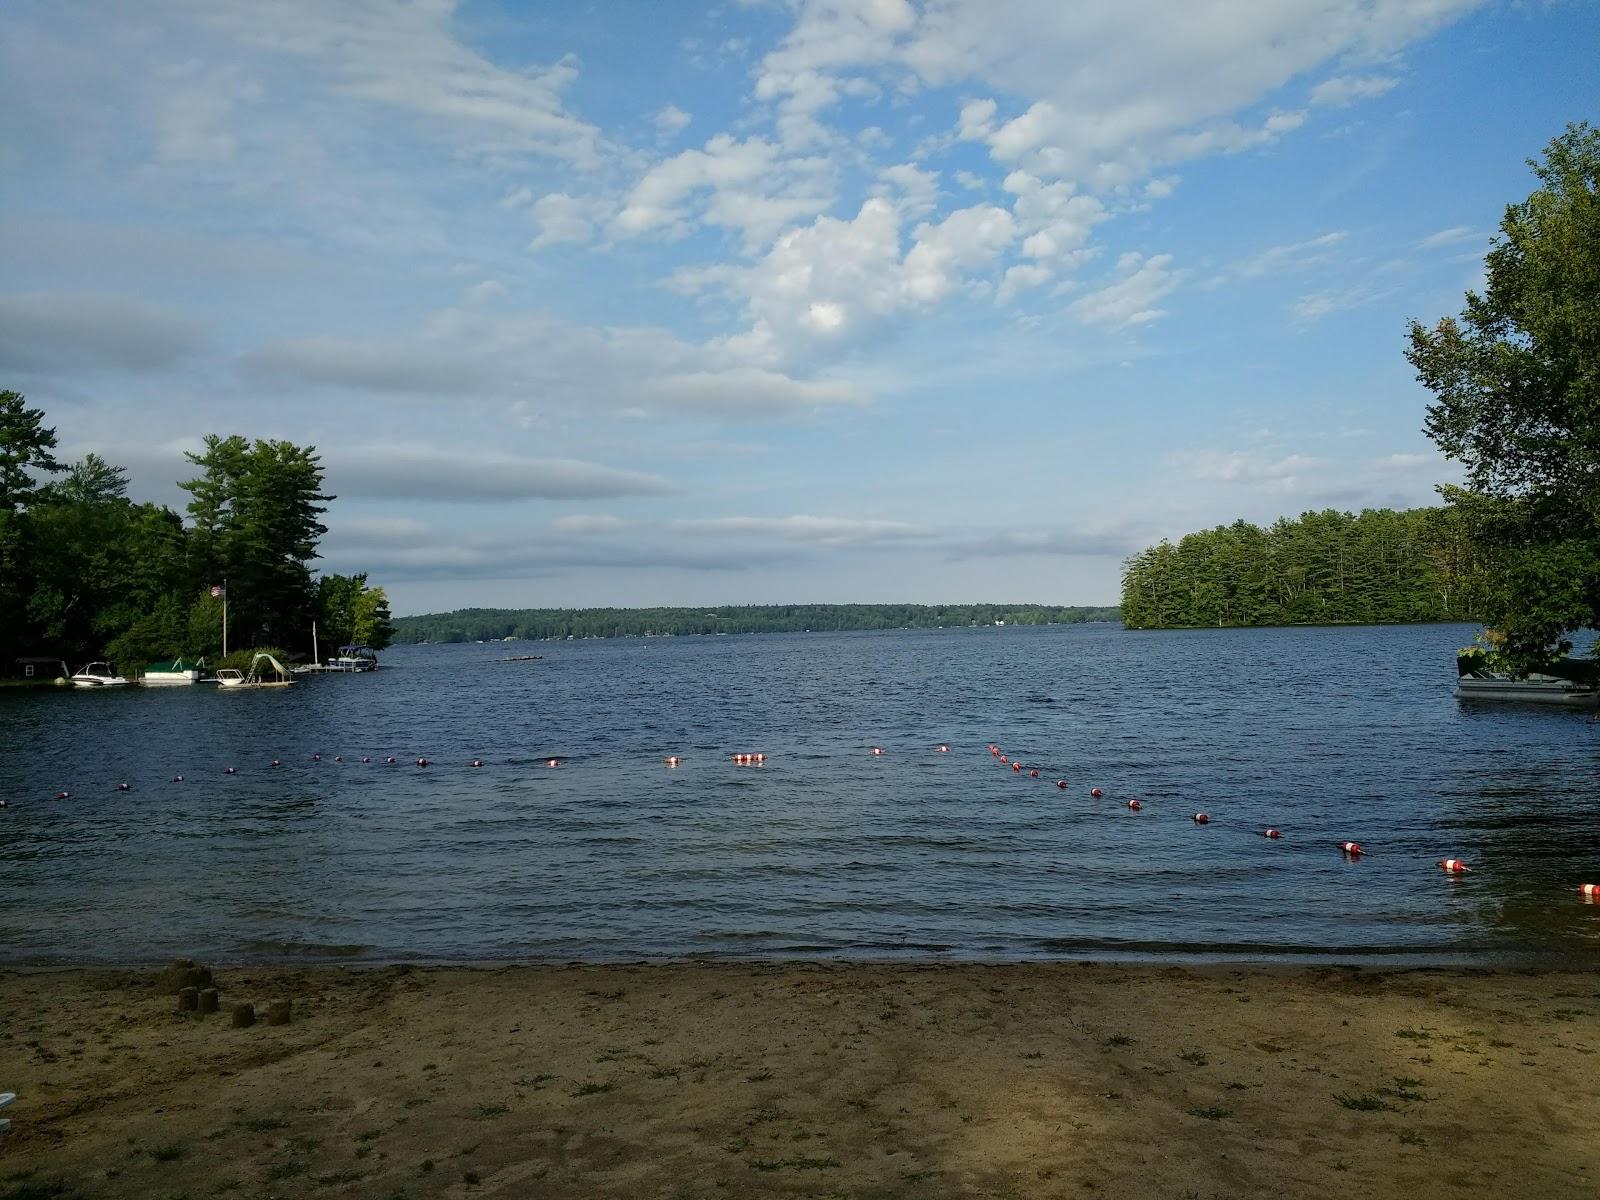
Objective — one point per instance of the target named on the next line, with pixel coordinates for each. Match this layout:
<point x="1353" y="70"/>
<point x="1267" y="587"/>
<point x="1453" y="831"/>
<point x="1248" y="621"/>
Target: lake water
<point x="826" y="849"/>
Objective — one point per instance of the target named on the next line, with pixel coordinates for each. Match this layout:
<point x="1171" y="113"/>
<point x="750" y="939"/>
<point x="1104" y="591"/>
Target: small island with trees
<point x="87" y="573"/>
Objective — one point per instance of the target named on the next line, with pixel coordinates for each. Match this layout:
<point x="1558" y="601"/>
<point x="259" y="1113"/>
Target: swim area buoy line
<point x="1589" y="892"/>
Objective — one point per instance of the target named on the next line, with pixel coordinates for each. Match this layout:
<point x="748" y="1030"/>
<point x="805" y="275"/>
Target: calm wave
<point x="1327" y="734"/>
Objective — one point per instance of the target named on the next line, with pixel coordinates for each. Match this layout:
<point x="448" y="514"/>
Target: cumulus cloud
<point x="561" y="218"/>
<point x="835" y="280"/>
<point x="748" y="186"/>
<point x="1109" y="88"/>
<point x="47" y="331"/>
<point x="1133" y="299"/>
<point x="671" y="119"/>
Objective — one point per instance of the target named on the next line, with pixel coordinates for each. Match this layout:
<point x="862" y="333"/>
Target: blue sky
<point x="764" y="302"/>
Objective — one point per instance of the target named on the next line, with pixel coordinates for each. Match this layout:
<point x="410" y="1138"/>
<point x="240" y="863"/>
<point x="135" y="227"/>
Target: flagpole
<point x="224" y="618"/>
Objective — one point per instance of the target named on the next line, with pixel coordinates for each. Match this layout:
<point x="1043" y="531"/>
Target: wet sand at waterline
<point x="807" y="1079"/>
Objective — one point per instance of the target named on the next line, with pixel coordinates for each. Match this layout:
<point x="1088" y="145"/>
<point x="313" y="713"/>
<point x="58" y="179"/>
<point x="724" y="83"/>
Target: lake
<point x="825" y="849"/>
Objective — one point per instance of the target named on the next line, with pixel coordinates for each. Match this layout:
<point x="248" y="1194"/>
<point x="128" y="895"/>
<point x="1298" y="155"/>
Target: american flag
<point x="216" y="589"/>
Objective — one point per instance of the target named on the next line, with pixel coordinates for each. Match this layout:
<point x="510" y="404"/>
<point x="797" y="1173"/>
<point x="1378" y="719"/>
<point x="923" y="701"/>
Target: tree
<point x="25" y="446"/>
<point x="255" y="512"/>
<point x="373" y="626"/>
<point x="1517" y="382"/>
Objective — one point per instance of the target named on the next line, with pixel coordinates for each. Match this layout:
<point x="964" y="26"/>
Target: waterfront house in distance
<point x="37" y="670"/>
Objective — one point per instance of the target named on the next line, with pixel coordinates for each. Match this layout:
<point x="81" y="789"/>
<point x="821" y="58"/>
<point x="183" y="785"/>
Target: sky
<point x="764" y="302"/>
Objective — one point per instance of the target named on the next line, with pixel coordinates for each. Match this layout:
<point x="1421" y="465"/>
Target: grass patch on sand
<point x="1364" y="1102"/>
<point x="1210" y="1113"/>
<point x="795" y="1164"/>
<point x="1119" y="1039"/>
<point x="593" y="1089"/>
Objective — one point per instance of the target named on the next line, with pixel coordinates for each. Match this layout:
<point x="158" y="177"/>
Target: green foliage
<point x="255" y="509"/>
<point x="489" y="624"/>
<point x="350" y="611"/>
<point x="1517" y="386"/>
<point x="86" y="573"/>
<point x="1323" y="568"/>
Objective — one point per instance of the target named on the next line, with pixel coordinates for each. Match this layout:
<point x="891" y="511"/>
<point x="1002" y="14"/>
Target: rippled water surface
<point x="1328" y="734"/>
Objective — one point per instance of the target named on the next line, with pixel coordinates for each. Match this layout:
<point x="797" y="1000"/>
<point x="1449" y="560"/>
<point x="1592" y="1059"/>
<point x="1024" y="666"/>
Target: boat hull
<point x="1528" y="691"/>
<point x="169" y="678"/>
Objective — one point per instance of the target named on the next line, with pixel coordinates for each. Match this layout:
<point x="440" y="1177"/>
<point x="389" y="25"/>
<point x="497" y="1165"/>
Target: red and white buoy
<point x="552" y="762"/>
<point x="672" y="760"/>
<point x="316" y="758"/>
<point x="230" y="770"/>
<point x="422" y="762"/>
<point x="63" y="795"/>
<point x="1271" y="833"/>
<point x="124" y="787"/>
<point x="1003" y="758"/>
<point x="1016" y="766"/>
<point x="1096" y="793"/>
<point x="1062" y="784"/>
<point x="942" y="748"/>
<point x="877" y="752"/>
<point x="761" y="758"/>
<point x="477" y="762"/>
<point x="1033" y="774"/>
<point x="389" y="761"/>
<point x="1454" y="866"/>
<point x="276" y="763"/>
<point x="1135" y="805"/>
<point x="177" y="779"/>
<point x="1353" y="849"/>
<point x="1590" y="892"/>
<point x="1201" y="818"/>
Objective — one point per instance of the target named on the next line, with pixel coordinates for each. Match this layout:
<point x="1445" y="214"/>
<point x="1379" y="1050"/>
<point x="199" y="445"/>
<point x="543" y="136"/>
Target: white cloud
<point x="1449" y="237"/>
<point x="1054" y="218"/>
<point x="1342" y="90"/>
<point x="1405" y="462"/>
<point x="1314" y="306"/>
<point x="1132" y="299"/>
<point x="1292" y="256"/>
<point x="747" y="186"/>
<point x="589" y="523"/>
<point x="407" y="56"/>
<point x="916" y="190"/>
<point x="1109" y="88"/>
<point x="1244" y="466"/>
<point x="542" y="364"/>
<point x="834" y="281"/>
<point x="561" y="218"/>
<point x="802" y="76"/>
<point x="671" y="119"/>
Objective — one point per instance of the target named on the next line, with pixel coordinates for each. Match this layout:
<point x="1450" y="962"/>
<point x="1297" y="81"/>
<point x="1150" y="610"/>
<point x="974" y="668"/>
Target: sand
<point x="807" y="1080"/>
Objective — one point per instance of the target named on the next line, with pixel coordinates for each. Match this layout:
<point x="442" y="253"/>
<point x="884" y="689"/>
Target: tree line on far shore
<point x="1322" y="568"/>
<point x="490" y="624"/>
<point x="87" y="573"/>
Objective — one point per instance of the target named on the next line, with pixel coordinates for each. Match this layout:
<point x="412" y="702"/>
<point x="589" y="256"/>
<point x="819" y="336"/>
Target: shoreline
<point x="830" y="1078"/>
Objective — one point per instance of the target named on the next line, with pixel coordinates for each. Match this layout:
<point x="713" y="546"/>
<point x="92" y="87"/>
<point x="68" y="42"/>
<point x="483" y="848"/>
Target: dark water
<point x="1328" y="734"/>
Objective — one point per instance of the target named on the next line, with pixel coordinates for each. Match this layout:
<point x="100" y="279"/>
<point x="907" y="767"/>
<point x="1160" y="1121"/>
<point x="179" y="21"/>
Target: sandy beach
<point x="796" y="1079"/>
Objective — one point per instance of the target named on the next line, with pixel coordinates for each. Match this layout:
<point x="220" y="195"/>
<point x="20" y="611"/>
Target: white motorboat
<point x="176" y="671"/>
<point x="265" y="671"/>
<point x="98" y="674"/>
